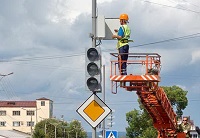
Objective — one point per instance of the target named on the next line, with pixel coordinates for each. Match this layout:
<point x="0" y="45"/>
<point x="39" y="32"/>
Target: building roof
<point x="13" y="134"/>
<point x="17" y="103"/>
<point x="43" y="98"/>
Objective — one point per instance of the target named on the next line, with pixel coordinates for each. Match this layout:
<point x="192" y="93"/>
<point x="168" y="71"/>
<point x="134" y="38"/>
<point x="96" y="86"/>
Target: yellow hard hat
<point x="123" y="17"/>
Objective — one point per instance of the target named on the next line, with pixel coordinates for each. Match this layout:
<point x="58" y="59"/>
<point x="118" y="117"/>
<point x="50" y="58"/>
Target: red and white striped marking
<point x="116" y="77"/>
<point x="149" y="77"/>
<point x="134" y="77"/>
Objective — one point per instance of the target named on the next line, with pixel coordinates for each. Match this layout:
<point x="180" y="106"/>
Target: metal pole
<point x="94" y="43"/>
<point x="104" y="98"/>
<point x="94" y="17"/>
<point x="64" y="133"/>
<point x="36" y="115"/>
<point x="31" y="127"/>
<point x="62" y="118"/>
<point x="94" y="132"/>
<point x="45" y="127"/>
<point x="55" y="131"/>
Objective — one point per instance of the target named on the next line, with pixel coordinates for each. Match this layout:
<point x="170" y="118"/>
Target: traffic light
<point x="93" y="69"/>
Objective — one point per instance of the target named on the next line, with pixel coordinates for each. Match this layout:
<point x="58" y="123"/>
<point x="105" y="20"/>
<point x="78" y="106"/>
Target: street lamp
<point x="45" y="125"/>
<point x="4" y="75"/>
<point x="55" y="128"/>
<point x="55" y="125"/>
<point x="76" y="130"/>
<point x="32" y="123"/>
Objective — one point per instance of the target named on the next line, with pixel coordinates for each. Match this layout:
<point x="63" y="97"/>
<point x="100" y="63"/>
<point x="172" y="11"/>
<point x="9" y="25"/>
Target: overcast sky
<point x="43" y="43"/>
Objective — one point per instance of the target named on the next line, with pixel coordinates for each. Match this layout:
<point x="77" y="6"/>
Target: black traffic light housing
<point x="93" y="69"/>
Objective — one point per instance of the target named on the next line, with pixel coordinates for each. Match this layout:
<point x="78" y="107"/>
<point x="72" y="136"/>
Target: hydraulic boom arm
<point x="143" y="77"/>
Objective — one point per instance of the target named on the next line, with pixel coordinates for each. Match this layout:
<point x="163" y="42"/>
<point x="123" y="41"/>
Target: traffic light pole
<point x="94" y="20"/>
<point x="94" y="43"/>
<point x="104" y="98"/>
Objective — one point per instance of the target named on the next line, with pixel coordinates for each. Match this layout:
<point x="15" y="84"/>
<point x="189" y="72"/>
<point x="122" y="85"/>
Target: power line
<point x="120" y="102"/>
<point x="172" y="39"/>
<point x="173" y="7"/>
<point x="190" y="36"/>
<point x="42" y="57"/>
<point x="167" y="40"/>
<point x="178" y="5"/>
<point x="192" y="4"/>
<point x="59" y="67"/>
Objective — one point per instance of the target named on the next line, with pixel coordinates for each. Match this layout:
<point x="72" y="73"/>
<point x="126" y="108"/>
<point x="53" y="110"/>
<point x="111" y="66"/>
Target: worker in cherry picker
<point x="123" y="35"/>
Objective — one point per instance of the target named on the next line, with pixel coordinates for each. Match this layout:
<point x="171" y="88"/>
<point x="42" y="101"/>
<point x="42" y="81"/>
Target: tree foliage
<point x="63" y="129"/>
<point x="140" y="124"/>
<point x="75" y="130"/>
<point x="177" y="97"/>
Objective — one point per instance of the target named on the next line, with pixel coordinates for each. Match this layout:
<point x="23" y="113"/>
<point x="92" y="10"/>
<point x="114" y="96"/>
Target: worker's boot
<point x="123" y="72"/>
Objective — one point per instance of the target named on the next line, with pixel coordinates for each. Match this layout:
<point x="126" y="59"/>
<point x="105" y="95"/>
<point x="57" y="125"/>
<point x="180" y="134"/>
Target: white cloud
<point x="50" y="34"/>
<point x="195" y="56"/>
<point x="69" y="10"/>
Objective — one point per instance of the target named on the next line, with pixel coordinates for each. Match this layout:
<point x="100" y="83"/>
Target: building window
<point x="51" y="110"/>
<point x="2" y="124"/>
<point x="16" y="123"/>
<point x="42" y="103"/>
<point x="16" y="113"/>
<point x="30" y="123"/>
<point x="194" y="136"/>
<point x="10" y="103"/>
<point x="2" y="113"/>
<point x="31" y="113"/>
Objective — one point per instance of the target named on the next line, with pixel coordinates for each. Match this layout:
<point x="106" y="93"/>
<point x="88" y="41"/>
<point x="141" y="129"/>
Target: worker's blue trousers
<point x="123" y="55"/>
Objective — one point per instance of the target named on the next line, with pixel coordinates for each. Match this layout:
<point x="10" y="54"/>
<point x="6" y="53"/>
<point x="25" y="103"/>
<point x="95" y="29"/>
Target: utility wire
<point x="6" y="89"/>
<point x="191" y="4"/>
<point x="166" y="40"/>
<point x="120" y="102"/>
<point x="178" y="5"/>
<point x="80" y="54"/>
<point x="169" y="40"/>
<point x="107" y="50"/>
<point x="42" y="57"/>
<point x="173" y="7"/>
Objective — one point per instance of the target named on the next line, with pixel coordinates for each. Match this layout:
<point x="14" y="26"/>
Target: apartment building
<point x="23" y="115"/>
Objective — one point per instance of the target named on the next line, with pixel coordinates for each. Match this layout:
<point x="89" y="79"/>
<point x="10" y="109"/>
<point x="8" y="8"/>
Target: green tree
<point x="178" y="98"/>
<point x="63" y="129"/>
<point x="140" y="124"/>
<point x="75" y="130"/>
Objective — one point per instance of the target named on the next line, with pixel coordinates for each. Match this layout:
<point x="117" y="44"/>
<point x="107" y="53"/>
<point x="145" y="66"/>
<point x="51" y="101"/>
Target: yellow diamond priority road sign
<point x="93" y="110"/>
